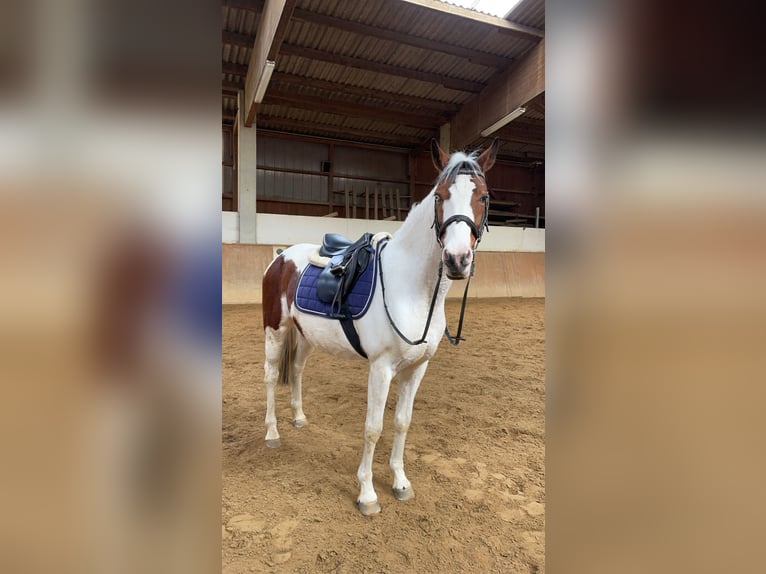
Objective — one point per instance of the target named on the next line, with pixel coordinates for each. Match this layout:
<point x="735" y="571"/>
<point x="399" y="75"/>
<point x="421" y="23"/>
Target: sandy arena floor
<point x="475" y="456"/>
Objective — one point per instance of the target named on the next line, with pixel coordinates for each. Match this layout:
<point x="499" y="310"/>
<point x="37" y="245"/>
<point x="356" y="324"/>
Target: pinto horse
<point x="441" y="233"/>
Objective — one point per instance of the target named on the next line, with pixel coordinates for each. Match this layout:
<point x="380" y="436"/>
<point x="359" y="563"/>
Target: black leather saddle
<point x="336" y="244"/>
<point x="348" y="260"/>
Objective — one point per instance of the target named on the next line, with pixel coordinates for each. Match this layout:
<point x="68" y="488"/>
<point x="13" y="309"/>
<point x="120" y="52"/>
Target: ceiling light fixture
<point x="502" y="121"/>
<point x="263" y="82"/>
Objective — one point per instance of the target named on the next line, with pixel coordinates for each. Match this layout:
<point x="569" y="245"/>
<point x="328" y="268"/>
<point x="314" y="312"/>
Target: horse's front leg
<point x="377" y="391"/>
<point x="409" y="381"/>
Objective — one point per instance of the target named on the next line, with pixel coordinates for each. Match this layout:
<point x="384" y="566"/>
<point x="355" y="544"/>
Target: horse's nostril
<point x="457" y="262"/>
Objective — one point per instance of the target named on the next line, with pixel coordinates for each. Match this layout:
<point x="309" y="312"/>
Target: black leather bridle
<point x="477" y="231"/>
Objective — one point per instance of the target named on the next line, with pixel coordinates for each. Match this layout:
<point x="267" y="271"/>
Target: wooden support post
<point x="375" y="201"/>
<point x="366" y="202"/>
<point x="398" y="206"/>
<point x="345" y="197"/>
<point x="384" y="203"/>
<point x="353" y="202"/>
<point x="331" y="174"/>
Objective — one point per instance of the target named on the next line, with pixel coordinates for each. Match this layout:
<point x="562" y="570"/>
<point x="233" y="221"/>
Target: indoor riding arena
<point x="330" y="108"/>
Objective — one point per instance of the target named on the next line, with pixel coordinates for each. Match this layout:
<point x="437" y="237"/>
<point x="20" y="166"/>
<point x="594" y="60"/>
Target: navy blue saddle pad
<point x="358" y="300"/>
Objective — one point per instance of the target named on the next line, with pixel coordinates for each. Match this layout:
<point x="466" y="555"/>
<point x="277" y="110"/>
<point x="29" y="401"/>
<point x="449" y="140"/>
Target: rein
<point x="440" y="229"/>
<point x="430" y="310"/>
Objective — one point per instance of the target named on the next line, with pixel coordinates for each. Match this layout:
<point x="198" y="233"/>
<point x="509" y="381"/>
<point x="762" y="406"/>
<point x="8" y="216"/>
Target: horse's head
<point x="461" y="205"/>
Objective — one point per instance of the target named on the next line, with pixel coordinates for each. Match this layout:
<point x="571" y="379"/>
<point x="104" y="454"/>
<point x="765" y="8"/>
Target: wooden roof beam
<point x="272" y="27"/>
<point x="475" y="56"/>
<point x="362" y="64"/>
<point x="319" y="104"/>
<point x="268" y="122"/>
<point x="499" y="24"/>
<point x="513" y="88"/>
<point x="237" y="39"/>
<point x="234" y="69"/>
<point x="252" y="5"/>
<point x="510" y="135"/>
<point x="295" y="80"/>
<point x="232" y="86"/>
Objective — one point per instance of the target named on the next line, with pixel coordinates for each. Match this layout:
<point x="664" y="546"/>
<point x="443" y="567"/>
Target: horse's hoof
<point x="273" y="443"/>
<point x="300" y="423"/>
<point x="404" y="493"/>
<point x="368" y="508"/>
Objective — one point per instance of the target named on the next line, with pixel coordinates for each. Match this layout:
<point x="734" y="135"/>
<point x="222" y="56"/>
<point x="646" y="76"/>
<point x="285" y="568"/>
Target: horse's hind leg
<point x="275" y="342"/>
<point x="409" y="381"/>
<point x="302" y="351"/>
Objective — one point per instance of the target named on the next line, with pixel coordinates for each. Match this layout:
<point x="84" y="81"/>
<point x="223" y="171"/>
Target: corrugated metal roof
<point x="473" y="6"/>
<point x="334" y="44"/>
<point x="529" y="13"/>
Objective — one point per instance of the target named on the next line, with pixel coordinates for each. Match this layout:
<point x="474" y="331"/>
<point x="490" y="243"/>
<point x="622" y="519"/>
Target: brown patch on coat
<point x="477" y="205"/>
<point x="280" y="278"/>
<point x="290" y="282"/>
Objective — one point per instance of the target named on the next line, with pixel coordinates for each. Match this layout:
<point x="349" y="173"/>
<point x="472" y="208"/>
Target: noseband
<point x="477" y="231"/>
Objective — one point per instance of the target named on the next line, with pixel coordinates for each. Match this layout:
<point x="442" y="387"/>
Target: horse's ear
<point x="438" y="156"/>
<point x="487" y="158"/>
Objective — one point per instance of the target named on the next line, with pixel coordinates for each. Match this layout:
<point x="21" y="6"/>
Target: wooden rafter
<point x="269" y="122"/>
<point x="389" y="97"/>
<point x="272" y="27"/>
<point x="319" y="104"/>
<point x="511" y="89"/>
<point x="362" y="64"/>
<point x="237" y="39"/>
<point x="537" y="105"/>
<point x="497" y="23"/>
<point x="234" y="69"/>
<point x="252" y="5"/>
<point x="510" y="134"/>
<point x="475" y="56"/>
<point x="232" y="86"/>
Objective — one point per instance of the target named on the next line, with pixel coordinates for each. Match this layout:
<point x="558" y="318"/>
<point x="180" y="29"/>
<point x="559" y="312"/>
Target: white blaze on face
<point x="457" y="239"/>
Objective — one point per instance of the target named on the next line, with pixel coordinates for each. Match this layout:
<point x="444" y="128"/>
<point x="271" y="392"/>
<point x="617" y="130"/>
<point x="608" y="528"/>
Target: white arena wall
<point x="510" y="261"/>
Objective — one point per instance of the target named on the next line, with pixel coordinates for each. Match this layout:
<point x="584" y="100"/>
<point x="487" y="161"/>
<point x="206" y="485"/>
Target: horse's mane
<point x="459" y="162"/>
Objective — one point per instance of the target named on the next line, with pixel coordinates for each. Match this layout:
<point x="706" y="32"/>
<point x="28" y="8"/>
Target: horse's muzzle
<point x="457" y="266"/>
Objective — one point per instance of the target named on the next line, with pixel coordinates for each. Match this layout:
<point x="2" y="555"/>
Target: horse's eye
<point x="484" y="198"/>
<point x="438" y="198"/>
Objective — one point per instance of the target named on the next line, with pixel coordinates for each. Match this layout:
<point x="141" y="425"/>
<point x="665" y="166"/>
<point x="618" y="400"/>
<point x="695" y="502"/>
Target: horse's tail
<point x="286" y="357"/>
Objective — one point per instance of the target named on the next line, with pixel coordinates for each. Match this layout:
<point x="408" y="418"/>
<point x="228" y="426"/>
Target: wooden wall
<point x="506" y="274"/>
<point x="308" y="176"/>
